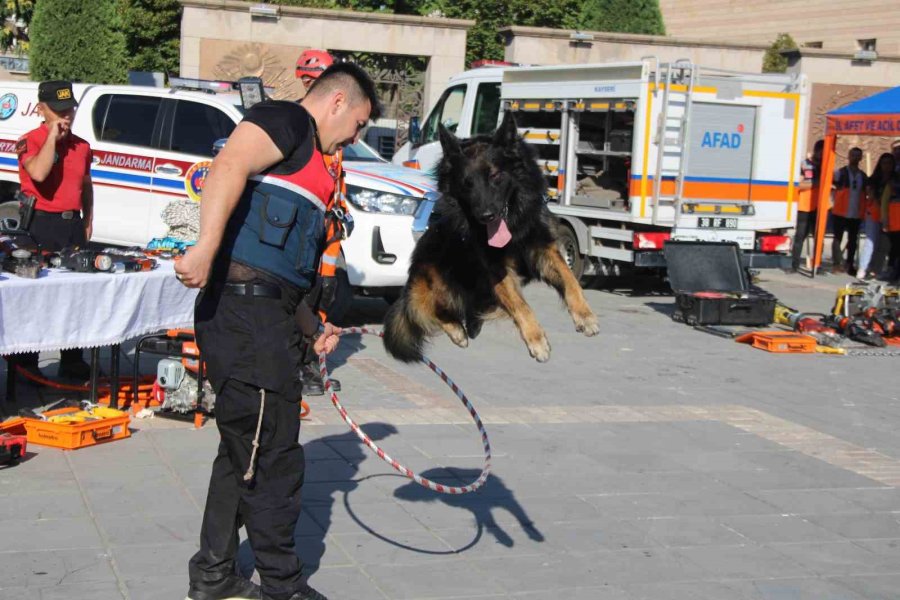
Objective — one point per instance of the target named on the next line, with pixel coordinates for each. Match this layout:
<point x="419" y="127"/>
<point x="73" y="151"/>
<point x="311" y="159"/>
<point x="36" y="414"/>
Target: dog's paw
<point x="588" y="325"/>
<point x="540" y="349"/>
<point x="457" y="335"/>
<point x="462" y="342"/>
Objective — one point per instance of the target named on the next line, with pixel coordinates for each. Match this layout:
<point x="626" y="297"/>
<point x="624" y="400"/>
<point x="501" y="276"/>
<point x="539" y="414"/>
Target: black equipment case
<point x="712" y="287"/>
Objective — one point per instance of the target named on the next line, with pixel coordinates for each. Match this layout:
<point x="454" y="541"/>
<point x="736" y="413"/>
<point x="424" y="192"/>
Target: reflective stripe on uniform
<point x="293" y="187"/>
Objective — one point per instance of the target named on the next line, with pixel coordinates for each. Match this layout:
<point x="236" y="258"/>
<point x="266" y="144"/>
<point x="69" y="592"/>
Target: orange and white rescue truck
<point x="637" y="153"/>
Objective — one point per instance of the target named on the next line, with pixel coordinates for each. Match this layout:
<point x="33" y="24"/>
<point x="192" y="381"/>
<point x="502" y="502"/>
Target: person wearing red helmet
<point x="310" y="65"/>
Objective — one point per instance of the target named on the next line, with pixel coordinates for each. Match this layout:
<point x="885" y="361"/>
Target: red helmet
<point x="312" y="62"/>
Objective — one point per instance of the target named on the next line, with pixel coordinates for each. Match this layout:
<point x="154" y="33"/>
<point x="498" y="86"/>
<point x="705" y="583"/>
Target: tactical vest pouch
<point x="281" y="233"/>
<point x="276" y="218"/>
<point x="311" y="225"/>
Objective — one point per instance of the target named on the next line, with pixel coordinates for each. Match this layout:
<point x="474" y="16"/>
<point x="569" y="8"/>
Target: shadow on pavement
<point x="329" y="477"/>
<point x="334" y="480"/>
<point x="482" y="503"/>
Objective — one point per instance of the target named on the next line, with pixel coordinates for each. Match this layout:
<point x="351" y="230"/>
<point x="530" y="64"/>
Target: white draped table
<point x="61" y="309"/>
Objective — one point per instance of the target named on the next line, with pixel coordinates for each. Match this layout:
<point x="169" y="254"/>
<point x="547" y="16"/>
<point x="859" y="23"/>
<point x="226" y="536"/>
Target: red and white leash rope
<point x="423" y="481"/>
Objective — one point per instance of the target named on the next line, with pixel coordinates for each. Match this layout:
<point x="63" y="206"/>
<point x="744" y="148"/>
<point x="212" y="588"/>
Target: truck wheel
<point x="392" y="295"/>
<point x="568" y="247"/>
<point x="9" y="210"/>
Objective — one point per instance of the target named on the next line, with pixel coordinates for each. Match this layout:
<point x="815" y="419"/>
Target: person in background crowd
<point x="890" y="215"/>
<point x="339" y="224"/>
<point x="884" y="184"/>
<point x="848" y="209"/>
<point x="871" y="230"/>
<point x="808" y="200"/>
<point x="55" y="168"/>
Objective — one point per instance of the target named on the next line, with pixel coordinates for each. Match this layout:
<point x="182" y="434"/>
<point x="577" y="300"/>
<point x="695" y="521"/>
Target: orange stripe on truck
<point x="709" y="190"/>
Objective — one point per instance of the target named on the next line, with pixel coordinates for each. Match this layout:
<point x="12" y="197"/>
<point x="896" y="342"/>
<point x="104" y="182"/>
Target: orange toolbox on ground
<point x="72" y="428"/>
<point x="779" y="341"/>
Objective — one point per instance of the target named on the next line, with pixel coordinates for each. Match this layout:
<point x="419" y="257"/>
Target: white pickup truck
<point x="154" y="145"/>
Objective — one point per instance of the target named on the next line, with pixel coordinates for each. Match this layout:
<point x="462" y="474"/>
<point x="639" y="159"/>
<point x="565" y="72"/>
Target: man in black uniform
<point x="261" y="234"/>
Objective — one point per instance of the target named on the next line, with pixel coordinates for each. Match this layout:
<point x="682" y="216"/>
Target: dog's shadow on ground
<point x="331" y="483"/>
<point x="482" y="503"/>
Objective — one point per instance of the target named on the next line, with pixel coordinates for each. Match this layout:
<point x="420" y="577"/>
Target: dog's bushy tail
<point x="403" y="336"/>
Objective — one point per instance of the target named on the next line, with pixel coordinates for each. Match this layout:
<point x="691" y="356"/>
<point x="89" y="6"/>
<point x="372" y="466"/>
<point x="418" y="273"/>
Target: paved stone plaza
<point x="653" y="462"/>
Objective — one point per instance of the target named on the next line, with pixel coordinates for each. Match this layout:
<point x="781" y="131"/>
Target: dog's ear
<point x="507" y="133"/>
<point x="449" y="143"/>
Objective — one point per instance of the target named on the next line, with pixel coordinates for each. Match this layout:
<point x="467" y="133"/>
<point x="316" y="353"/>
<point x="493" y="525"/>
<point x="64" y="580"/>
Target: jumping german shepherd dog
<point x="494" y="233"/>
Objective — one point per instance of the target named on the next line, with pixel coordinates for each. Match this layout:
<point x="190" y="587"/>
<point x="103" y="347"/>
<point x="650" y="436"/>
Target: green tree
<point x="152" y="34"/>
<point x="16" y="16"/>
<point x="773" y="61"/>
<point x="306" y="3"/>
<point x="401" y="7"/>
<point x="78" y="40"/>
<point x="622" y="16"/>
<point x="483" y="40"/>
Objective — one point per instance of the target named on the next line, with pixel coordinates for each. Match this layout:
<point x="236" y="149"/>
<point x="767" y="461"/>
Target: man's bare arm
<point x="249" y="151"/>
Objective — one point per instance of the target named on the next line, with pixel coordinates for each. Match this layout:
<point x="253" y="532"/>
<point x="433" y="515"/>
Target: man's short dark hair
<point x="855" y="149"/>
<point x="352" y="79"/>
<point x="819" y="145"/>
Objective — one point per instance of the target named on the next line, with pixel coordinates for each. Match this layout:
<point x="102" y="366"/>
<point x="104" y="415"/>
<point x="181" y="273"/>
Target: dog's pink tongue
<point x="498" y="233"/>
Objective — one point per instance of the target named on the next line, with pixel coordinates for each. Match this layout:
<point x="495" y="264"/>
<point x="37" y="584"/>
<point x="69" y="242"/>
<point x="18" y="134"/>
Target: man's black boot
<point x="312" y="380"/>
<point x="232" y="587"/>
<point x="29" y="363"/>
<point x="72" y="369"/>
<point x="307" y="593"/>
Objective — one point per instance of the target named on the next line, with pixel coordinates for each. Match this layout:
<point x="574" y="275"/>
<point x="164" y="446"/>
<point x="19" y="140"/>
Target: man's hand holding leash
<point x="327" y="341"/>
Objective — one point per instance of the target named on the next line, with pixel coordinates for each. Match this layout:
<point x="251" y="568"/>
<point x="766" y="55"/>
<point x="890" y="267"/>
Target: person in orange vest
<point x="895" y="150"/>
<point x="872" y="242"/>
<point x="885" y="188"/>
<point x="339" y="224"/>
<point x="848" y="209"/>
<point x="807" y="203"/>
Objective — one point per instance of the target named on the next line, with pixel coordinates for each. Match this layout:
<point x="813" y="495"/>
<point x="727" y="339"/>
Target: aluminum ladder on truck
<point x="672" y="138"/>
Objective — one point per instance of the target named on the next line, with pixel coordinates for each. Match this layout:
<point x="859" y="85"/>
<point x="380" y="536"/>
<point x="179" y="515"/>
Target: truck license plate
<point x="717" y="223"/>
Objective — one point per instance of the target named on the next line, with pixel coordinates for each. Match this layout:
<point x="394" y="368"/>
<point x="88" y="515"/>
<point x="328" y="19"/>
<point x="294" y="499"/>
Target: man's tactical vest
<point x="279" y="225"/>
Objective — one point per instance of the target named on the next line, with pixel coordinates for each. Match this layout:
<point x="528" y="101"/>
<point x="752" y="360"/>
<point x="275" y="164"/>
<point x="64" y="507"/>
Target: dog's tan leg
<point x="456" y="333"/>
<point x="554" y="270"/>
<point x="435" y="307"/>
<point x="509" y="295"/>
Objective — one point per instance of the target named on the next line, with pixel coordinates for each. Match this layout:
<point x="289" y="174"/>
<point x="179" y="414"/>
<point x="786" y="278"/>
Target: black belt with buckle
<point x="257" y="290"/>
<point x="67" y="215"/>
